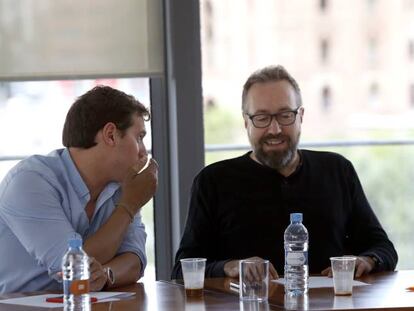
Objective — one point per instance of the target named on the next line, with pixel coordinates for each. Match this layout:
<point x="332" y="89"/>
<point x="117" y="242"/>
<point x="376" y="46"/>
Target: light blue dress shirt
<point x="42" y="202"/>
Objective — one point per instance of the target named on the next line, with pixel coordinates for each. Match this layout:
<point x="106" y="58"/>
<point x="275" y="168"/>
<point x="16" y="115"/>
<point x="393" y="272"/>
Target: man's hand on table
<point x="98" y="277"/>
<point x="231" y="268"/>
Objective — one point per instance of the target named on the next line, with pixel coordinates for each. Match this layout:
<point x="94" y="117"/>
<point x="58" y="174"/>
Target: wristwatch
<point x="110" y="276"/>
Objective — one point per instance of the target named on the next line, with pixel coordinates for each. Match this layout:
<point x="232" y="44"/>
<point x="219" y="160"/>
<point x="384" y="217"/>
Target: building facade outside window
<point x="323" y="4"/>
<point x="326" y="98"/>
<point x="367" y="95"/>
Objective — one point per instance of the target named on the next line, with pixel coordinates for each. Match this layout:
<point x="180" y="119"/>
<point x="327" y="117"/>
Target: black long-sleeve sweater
<point x="240" y="208"/>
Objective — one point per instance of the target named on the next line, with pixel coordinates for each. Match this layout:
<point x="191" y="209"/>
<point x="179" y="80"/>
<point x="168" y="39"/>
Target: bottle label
<point x="76" y="287"/>
<point x="296" y="258"/>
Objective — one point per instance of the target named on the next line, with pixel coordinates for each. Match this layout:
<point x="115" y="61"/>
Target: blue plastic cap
<point x="296" y="217"/>
<point x="75" y="241"/>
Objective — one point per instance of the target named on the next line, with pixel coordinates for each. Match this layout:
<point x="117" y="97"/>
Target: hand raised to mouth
<point x="139" y="185"/>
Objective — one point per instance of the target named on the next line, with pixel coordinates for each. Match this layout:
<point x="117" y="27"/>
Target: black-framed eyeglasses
<point x="262" y="120"/>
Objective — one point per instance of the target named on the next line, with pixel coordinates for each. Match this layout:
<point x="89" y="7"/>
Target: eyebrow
<point x="260" y="111"/>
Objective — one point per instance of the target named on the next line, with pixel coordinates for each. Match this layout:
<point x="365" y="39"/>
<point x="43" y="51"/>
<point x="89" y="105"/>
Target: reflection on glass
<point x="296" y="302"/>
<point x="195" y="304"/>
<point x="254" y="305"/>
<point x="343" y="302"/>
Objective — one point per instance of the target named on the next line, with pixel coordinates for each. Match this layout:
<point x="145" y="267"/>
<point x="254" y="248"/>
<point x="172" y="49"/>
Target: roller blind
<point x="50" y="39"/>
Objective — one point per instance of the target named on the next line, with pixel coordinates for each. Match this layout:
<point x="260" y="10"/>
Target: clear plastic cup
<point x="343" y="274"/>
<point x="193" y="273"/>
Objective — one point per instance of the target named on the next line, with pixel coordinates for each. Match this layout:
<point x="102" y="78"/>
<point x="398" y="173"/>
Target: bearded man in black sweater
<point x="239" y="208"/>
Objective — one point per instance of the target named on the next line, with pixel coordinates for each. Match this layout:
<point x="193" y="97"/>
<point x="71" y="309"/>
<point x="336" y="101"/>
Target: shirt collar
<point x="80" y="186"/>
<point x="74" y="176"/>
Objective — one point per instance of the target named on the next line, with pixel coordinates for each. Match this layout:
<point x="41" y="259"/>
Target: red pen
<point x="59" y="299"/>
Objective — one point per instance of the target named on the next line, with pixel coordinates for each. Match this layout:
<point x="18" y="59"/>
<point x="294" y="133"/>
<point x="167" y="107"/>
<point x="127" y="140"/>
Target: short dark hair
<point x="269" y="74"/>
<point x="91" y="111"/>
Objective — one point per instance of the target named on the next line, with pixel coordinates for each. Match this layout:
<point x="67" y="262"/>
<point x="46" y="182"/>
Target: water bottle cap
<point x="296" y="217"/>
<point x="75" y="241"/>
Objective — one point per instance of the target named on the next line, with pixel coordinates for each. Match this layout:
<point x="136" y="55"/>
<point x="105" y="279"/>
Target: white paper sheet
<point x="320" y="281"/>
<point x="40" y="300"/>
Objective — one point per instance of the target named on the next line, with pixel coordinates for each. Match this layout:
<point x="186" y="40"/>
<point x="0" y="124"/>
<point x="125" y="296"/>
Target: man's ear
<point x="301" y="113"/>
<point x="108" y="134"/>
<point x="245" y="119"/>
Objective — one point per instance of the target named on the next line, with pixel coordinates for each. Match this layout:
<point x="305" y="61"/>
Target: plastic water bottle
<point x="296" y="256"/>
<point x="75" y="268"/>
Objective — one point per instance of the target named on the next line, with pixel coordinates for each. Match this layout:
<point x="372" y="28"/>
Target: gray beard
<point x="276" y="159"/>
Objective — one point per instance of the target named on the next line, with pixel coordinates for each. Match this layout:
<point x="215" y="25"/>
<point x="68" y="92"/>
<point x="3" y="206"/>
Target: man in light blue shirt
<point x="96" y="187"/>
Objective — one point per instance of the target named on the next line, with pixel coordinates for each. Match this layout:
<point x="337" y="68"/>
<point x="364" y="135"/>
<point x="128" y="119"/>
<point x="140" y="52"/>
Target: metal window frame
<point x="177" y="127"/>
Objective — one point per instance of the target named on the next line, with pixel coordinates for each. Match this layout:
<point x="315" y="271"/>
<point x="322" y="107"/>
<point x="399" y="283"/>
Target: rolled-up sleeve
<point x="31" y="207"/>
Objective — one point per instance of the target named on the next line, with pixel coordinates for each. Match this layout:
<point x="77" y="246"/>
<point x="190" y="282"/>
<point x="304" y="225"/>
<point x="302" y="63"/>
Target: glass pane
<point x="32" y="115"/>
<point x="389" y="191"/>
<point x="238" y="39"/>
<point x="360" y="93"/>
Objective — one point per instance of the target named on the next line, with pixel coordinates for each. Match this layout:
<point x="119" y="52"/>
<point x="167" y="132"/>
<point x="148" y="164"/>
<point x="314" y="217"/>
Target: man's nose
<point x="142" y="151"/>
<point x="274" y="126"/>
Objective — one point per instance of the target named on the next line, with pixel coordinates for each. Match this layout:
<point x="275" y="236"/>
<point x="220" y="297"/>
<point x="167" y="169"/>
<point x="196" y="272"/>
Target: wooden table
<point x="387" y="292"/>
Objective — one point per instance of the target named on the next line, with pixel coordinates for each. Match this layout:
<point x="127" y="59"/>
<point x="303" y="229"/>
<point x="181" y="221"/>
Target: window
<point x="372" y="53"/>
<point x="411" y="50"/>
<point x="326" y="98"/>
<point x="324" y="51"/>
<point x="371" y="4"/>
<point x="208" y="27"/>
<point x="373" y="98"/>
<point x="323" y="5"/>
<point x="353" y="90"/>
<point x="34" y="113"/>
<point x="409" y="4"/>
